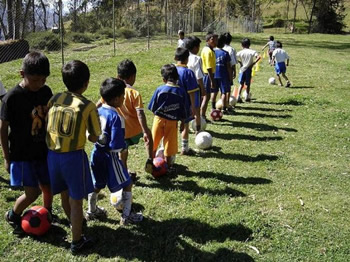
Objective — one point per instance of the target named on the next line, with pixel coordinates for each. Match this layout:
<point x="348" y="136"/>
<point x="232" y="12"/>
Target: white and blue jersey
<point x="221" y="75"/>
<point x="107" y="168"/>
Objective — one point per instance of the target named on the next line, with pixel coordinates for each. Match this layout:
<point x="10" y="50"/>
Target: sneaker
<point x="16" y="225"/>
<point x="288" y="84"/>
<point x="149" y="166"/>
<point x="133" y="218"/>
<point x="247" y="100"/>
<point x="239" y="100"/>
<point x="100" y="213"/>
<point x="189" y="152"/>
<point x="80" y="245"/>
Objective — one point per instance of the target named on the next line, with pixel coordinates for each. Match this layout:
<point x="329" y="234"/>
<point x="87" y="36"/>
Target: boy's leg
<point x="279" y="80"/>
<point x="47" y="196"/>
<point x="65" y="203"/>
<point x="29" y="196"/>
<point x="185" y="150"/>
<point x="286" y="78"/>
<point x="124" y="157"/>
<point x="157" y="133"/>
<point x="76" y="218"/>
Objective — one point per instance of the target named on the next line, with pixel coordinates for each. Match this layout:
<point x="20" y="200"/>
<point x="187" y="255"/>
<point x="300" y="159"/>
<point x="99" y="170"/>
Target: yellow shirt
<point x="69" y="116"/>
<point x="132" y="104"/>
<point x="208" y="59"/>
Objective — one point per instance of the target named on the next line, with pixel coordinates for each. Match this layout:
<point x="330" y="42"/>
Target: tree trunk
<point x="287" y="19"/>
<point x="25" y="18"/>
<point x="295" y="15"/>
<point x="312" y="13"/>
<point x="9" y="19"/>
<point x="43" y="6"/>
<point x="18" y="18"/>
<point x="33" y="21"/>
<point x="166" y="17"/>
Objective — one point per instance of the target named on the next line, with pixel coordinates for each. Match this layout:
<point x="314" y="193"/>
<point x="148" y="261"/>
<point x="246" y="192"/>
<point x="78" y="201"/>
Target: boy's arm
<point x="201" y="86"/>
<point x="287" y="64"/>
<point x="147" y="134"/>
<point x="230" y="71"/>
<point x="264" y="47"/>
<point x="5" y="143"/>
<point x="92" y="138"/>
<point x="211" y="77"/>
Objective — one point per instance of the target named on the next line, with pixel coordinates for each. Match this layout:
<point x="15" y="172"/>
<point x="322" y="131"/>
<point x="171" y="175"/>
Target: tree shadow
<point x="238" y="157"/>
<point x="228" y="136"/>
<point x="301" y="87"/>
<point x="290" y="102"/>
<point x="169" y="241"/>
<point x="258" y="126"/>
<point x="263" y="109"/>
<point x="261" y="115"/>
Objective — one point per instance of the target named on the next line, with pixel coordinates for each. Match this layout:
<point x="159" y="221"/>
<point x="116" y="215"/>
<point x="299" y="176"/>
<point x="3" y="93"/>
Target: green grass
<point x="276" y="179"/>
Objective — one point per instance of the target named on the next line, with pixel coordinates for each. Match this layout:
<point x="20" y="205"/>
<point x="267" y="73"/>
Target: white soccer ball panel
<point x="232" y="101"/>
<point x="203" y="124"/>
<point x="272" y="81"/>
<point x="204" y="140"/>
<point x="219" y="104"/>
<point x="160" y="152"/>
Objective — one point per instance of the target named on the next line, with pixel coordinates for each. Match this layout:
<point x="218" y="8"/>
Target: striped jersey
<point x="70" y="116"/>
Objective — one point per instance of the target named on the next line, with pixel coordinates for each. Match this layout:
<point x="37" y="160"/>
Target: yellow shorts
<point x="166" y="129"/>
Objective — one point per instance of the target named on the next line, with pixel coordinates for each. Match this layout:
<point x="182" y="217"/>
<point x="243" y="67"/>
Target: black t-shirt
<point x="16" y="108"/>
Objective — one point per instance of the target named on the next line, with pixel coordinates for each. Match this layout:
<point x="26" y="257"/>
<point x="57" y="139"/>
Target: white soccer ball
<point x="203" y="124"/>
<point x="204" y="140"/>
<point x="116" y="199"/>
<point x="219" y="105"/>
<point x="272" y="81"/>
<point x="232" y="101"/>
<point x="246" y="95"/>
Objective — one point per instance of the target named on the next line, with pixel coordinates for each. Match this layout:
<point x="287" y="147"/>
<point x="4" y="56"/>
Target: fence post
<point x="62" y="29"/>
<point x="113" y="28"/>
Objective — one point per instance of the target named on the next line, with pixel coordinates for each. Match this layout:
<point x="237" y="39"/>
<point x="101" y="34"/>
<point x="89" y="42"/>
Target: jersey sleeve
<point x="191" y="82"/>
<point x="117" y="134"/>
<point x="137" y="101"/>
<point x="153" y="105"/>
<point x="93" y="121"/>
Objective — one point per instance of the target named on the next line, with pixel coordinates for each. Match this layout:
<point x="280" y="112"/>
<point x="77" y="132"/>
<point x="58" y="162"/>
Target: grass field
<point x="274" y="187"/>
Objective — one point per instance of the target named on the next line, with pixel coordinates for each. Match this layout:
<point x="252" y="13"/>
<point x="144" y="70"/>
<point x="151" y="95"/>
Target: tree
<point x="329" y="16"/>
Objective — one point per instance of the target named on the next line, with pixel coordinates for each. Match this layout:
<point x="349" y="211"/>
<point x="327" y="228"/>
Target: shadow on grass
<point x="260" y="115"/>
<point x="228" y="136"/>
<point x="56" y="236"/>
<point x="290" y="102"/>
<point x="257" y="126"/>
<point x="263" y="109"/>
<point x="4" y="182"/>
<point x="301" y="87"/>
<point x="238" y="157"/>
<point x="169" y="240"/>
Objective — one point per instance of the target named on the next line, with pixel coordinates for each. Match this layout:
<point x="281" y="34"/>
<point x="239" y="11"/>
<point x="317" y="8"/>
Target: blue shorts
<point x="108" y="169"/>
<point x="245" y="77"/>
<point x="29" y="173"/>
<point x="70" y="171"/>
<point x="223" y="85"/>
<point x="280" y="68"/>
<point x="197" y="99"/>
<point x="206" y="83"/>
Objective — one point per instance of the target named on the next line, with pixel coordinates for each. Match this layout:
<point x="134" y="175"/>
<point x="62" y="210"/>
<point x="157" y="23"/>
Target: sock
<point x="92" y="200"/>
<point x="184" y="145"/>
<point x="126" y="198"/>
<point x="213" y="105"/>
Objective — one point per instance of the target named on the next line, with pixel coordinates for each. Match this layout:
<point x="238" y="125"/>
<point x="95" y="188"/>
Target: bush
<point x="81" y="38"/>
<point x="126" y="32"/>
<point x="278" y="23"/>
<point x="106" y="32"/>
<point x="44" y="41"/>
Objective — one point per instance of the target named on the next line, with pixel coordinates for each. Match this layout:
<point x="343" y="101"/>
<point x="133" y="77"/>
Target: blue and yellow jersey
<point x="208" y="59"/>
<point x="70" y="116"/>
<point x="187" y="79"/>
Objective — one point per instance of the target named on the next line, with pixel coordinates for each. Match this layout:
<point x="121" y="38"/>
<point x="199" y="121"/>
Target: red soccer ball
<point x="36" y="221"/>
<point x="160" y="167"/>
<point x="216" y="115"/>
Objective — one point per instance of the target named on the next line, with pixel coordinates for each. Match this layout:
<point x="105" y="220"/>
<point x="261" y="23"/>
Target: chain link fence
<point x="61" y="25"/>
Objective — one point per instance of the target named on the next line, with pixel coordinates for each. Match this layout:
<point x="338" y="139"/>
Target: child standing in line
<point x="133" y="112"/>
<point x="209" y="66"/>
<point x="272" y="46"/>
<point x="188" y="81"/>
<point x="23" y="110"/>
<point x="180" y="42"/>
<point x="70" y="116"/>
<point x="169" y="105"/>
<point x="247" y="59"/>
<point x="223" y="73"/>
<point x="233" y="54"/>
<point x="107" y="167"/>
<point x="195" y="63"/>
<point x="279" y="56"/>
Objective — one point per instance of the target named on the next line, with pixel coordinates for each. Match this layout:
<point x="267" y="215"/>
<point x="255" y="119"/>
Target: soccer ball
<point x="246" y="95"/>
<point x="232" y="101"/>
<point x="36" y="221"/>
<point x="160" y="167"/>
<point x="203" y="124"/>
<point x="219" y="104"/>
<point x="216" y="115"/>
<point x="116" y="199"/>
<point x="204" y="140"/>
<point x="272" y="81"/>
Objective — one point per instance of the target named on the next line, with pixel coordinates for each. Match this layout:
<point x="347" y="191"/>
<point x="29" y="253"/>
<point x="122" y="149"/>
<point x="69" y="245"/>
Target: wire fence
<point x="54" y="25"/>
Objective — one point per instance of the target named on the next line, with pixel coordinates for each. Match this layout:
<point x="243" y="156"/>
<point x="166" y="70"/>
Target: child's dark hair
<point x="181" y="32"/>
<point x="126" y="69"/>
<point x="246" y="42"/>
<point x="228" y="37"/>
<point x="279" y="44"/>
<point x="181" y="54"/>
<point x="75" y="74"/>
<point x="192" y="42"/>
<point x="272" y="38"/>
<point x="112" y="88"/>
<point x="169" y="73"/>
<point x="210" y="35"/>
<point x="36" y="63"/>
<point x="221" y="41"/>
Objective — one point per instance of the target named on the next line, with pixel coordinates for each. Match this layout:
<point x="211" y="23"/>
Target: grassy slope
<point x="287" y="148"/>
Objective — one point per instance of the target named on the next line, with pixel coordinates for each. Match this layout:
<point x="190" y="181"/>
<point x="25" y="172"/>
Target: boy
<point x="180" y="42"/>
<point x="209" y="66"/>
<point x="169" y="105"/>
<point x="223" y="73"/>
<point x="272" y="46"/>
<point x="188" y="81"/>
<point x="24" y="150"/>
<point x="107" y="168"/>
<point x="133" y="113"/>
<point x="232" y="52"/>
<point x="279" y="56"/>
<point x="246" y="60"/>
<point x="71" y="116"/>
<point x="195" y="62"/>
